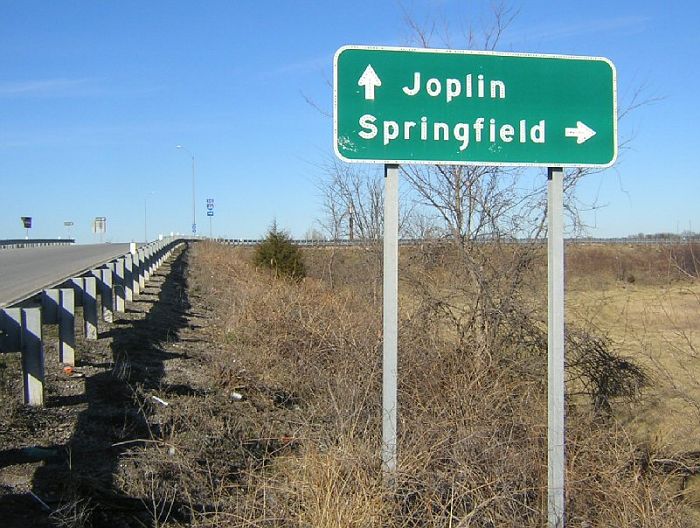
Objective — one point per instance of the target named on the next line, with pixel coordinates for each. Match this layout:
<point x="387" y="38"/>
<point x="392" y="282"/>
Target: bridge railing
<point x="14" y="243"/>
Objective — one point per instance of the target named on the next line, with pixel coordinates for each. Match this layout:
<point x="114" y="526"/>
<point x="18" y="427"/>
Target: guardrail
<point x="418" y="241"/>
<point x="14" y="243"/>
<point x="100" y="291"/>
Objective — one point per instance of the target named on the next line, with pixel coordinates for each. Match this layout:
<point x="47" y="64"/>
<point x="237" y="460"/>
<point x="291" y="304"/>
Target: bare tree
<point x="476" y="203"/>
<point x="353" y="202"/>
<point x="424" y="225"/>
<point x="485" y="210"/>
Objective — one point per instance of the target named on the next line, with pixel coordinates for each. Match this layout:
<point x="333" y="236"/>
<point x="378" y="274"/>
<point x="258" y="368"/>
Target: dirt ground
<point x="58" y="464"/>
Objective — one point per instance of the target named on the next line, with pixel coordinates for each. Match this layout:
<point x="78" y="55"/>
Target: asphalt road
<point x="26" y="271"/>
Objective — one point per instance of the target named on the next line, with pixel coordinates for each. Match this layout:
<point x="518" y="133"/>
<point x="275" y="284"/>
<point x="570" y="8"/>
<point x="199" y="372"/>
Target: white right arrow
<point x="369" y="80"/>
<point x="581" y="132"/>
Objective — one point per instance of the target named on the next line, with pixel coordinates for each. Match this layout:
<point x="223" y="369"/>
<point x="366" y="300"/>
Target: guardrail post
<point x="128" y="277"/>
<point x="66" y="327"/>
<point x="120" y="304"/>
<point x="154" y="256"/>
<point x="136" y="271"/>
<point x="90" y="307"/>
<point x="11" y="325"/>
<point x="32" y="357"/>
<point x="146" y="264"/>
<point x="106" y="293"/>
<point x="49" y="306"/>
<point x="142" y="269"/>
<point x="78" y="285"/>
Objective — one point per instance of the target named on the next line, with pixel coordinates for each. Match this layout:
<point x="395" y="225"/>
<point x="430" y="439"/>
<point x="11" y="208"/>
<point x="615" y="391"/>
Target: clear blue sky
<point x="94" y="96"/>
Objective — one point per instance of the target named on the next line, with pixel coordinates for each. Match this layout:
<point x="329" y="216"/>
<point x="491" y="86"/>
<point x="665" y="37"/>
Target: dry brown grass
<point x="654" y="321"/>
<point x="302" y="448"/>
<point x="599" y="264"/>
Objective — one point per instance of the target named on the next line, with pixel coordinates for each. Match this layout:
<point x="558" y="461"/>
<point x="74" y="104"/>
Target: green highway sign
<point x="402" y="105"/>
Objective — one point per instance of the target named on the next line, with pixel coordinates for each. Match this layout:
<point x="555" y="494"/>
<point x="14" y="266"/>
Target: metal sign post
<point x="390" y="323"/>
<point x="556" y="464"/>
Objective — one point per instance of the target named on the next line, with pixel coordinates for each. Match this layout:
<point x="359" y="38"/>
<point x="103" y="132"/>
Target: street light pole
<point x="194" y="216"/>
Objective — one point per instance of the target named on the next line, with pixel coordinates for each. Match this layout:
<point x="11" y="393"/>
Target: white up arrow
<point x="581" y="132"/>
<point x="369" y="80"/>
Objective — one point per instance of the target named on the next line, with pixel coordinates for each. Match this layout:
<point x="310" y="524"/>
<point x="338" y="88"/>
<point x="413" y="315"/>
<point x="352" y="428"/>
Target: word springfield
<point x="462" y="132"/>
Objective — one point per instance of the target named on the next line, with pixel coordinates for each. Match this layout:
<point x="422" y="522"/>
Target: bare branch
<point x="315" y="106"/>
